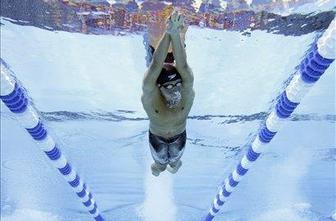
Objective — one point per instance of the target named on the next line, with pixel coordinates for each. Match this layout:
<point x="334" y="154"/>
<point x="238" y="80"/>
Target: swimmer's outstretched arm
<point x="160" y="53"/>
<point x="179" y="51"/>
<point x="156" y="65"/>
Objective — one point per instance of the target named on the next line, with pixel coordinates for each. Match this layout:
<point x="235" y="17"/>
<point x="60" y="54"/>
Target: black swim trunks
<point x="169" y="150"/>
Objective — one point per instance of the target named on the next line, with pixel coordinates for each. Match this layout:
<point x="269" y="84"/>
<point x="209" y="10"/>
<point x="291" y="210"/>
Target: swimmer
<point x="167" y="98"/>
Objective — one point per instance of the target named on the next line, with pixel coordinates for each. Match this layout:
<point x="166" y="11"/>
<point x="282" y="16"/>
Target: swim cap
<point x="168" y="73"/>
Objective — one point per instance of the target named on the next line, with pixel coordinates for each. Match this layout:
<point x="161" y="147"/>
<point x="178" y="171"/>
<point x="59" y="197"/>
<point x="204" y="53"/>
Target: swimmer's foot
<point x="174" y="167"/>
<point x="158" y="168"/>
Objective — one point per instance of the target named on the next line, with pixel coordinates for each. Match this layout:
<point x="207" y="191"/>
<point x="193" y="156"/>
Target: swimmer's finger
<point x="182" y="20"/>
<point x="182" y="17"/>
<point x="168" y="20"/>
<point x="175" y="16"/>
<point x="172" y="16"/>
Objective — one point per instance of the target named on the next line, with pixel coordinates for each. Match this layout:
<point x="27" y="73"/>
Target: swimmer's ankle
<point x="174" y="167"/>
<point x="158" y="168"/>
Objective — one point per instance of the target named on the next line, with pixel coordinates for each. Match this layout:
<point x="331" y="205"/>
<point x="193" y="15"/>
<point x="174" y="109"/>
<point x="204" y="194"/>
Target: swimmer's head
<point x="170" y="85"/>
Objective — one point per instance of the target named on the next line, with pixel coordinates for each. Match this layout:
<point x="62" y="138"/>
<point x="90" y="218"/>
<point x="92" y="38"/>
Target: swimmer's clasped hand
<point x="175" y="23"/>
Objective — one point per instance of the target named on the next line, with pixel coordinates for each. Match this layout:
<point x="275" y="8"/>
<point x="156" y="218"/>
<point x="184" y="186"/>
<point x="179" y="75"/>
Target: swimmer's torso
<point x="166" y="122"/>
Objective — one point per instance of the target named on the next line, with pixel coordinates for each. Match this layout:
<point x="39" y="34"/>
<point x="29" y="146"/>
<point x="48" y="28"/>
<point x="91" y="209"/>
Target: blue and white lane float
<point x="321" y="55"/>
<point x="15" y="98"/>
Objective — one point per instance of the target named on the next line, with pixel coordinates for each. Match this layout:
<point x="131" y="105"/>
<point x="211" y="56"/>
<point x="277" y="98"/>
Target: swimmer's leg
<point x="174" y="167"/>
<point x="158" y="168"/>
<point x="175" y="151"/>
<point x="175" y="159"/>
<point x="160" y="157"/>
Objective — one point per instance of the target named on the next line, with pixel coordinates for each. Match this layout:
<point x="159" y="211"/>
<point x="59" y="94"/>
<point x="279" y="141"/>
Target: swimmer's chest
<point x="170" y="116"/>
